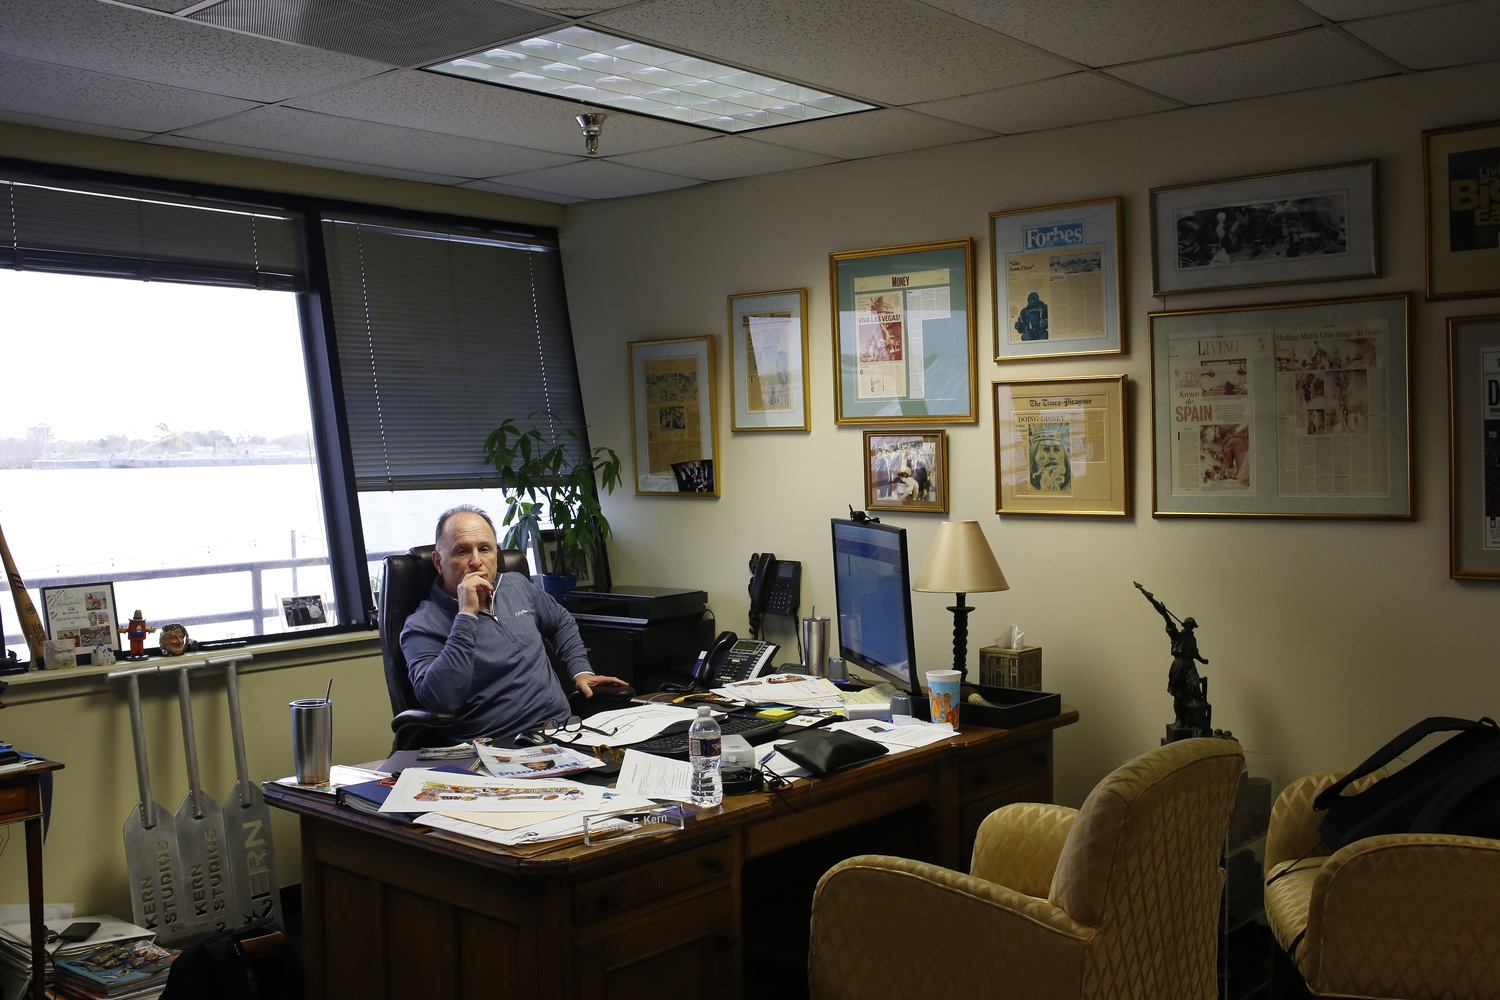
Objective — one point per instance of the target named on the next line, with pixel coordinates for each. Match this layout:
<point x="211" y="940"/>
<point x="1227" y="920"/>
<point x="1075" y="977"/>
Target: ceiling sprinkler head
<point x="592" y="125"/>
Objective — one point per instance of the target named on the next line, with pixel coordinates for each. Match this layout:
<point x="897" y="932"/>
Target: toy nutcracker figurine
<point x="136" y="631"/>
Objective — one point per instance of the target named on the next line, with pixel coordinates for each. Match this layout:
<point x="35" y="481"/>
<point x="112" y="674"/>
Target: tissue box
<point x="1008" y="707"/>
<point x="1011" y="668"/>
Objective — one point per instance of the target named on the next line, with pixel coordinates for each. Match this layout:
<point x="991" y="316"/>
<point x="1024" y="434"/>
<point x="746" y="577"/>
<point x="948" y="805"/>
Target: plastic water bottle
<point x="705" y="750"/>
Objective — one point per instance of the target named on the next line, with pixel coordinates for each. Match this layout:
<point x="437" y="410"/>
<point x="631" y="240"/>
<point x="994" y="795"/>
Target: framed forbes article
<point x="1061" y="446"/>
<point x="906" y="470"/>
<point x="1296" y="409"/>
<point x="768" y="361"/>
<point x="1274" y="229"/>
<point x="1462" y="165"/>
<point x="1474" y="447"/>
<point x="674" y="432"/>
<point x="903" y="334"/>
<point x="1056" y="278"/>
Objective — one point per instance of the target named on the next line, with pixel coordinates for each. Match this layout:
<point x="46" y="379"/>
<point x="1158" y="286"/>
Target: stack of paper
<point x="338" y="776"/>
<point x="15" y="948"/>
<point x="128" y="970"/>
<point x="796" y="690"/>
<point x="624" y="726"/>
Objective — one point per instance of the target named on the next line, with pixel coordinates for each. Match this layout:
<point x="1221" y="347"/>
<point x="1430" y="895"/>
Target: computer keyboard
<point x="673" y="741"/>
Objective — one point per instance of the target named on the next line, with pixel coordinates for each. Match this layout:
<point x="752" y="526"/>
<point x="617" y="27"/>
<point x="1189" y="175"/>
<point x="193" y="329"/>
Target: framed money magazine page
<point x="1275" y="229"/>
<point x="1056" y="280"/>
<point x="1295" y="409"/>
<point x="1474" y="447"/>
<point x="1060" y="446"/>
<point x="674" y="434"/>
<point x="903" y="334"/>
<point x="906" y="470"/>
<point x="768" y="361"/>
<point x="1462" y="166"/>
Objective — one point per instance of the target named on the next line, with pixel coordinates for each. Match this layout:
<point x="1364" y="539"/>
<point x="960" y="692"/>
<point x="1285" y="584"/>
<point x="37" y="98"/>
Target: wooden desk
<point x="390" y="912"/>
<point x="21" y="801"/>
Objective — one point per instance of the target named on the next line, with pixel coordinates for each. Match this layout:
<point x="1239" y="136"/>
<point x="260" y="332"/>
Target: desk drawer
<point x="15" y="803"/>
<point x="1019" y="765"/>
<point x="624" y="891"/>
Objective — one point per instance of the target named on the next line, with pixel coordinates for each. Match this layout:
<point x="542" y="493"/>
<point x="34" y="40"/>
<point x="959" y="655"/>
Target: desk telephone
<point x="731" y="658"/>
<point x="775" y="587"/>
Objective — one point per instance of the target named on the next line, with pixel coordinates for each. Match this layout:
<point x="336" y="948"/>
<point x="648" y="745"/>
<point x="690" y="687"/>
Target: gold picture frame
<point x="1062" y="446"/>
<point x="1463" y="224"/>
<point x="674" y="443"/>
<point x="1473" y="453"/>
<point x="1035" y="250"/>
<point x="1286" y="409"/>
<point x="768" y="361"/>
<point x="906" y="470"/>
<point x="874" y="381"/>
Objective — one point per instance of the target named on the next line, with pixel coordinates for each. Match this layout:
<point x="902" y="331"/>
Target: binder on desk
<point x="368" y="796"/>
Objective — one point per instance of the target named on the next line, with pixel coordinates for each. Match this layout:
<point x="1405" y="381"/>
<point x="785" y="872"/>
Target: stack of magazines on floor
<point x="119" y="961"/>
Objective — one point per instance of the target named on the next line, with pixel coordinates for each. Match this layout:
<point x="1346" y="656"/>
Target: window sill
<point x="45" y="685"/>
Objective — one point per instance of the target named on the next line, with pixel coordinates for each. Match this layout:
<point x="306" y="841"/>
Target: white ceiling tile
<point x="1442" y="36"/>
<point x="78" y="95"/>
<point x="871" y="133"/>
<point x="1104" y="32"/>
<point x="169" y="50"/>
<point x="890" y="51"/>
<point x="230" y="149"/>
<point x="598" y="179"/>
<point x="64" y="125"/>
<point x="564" y="9"/>
<point x="720" y="159"/>
<point x="1063" y="100"/>
<point x="1314" y="58"/>
<point x="1346" y="10"/>
<point x="518" y="192"/>
<point x="293" y="131"/>
<point x="445" y="104"/>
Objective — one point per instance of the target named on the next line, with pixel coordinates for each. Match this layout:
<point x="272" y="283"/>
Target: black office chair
<point x="407" y="581"/>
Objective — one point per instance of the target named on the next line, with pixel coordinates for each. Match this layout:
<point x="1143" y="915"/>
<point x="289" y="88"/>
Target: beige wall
<point x="1325" y="637"/>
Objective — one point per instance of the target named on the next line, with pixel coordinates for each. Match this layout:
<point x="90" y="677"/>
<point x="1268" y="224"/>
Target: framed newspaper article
<point x="1274" y="229"/>
<point x="1056" y="279"/>
<point x="1294" y="409"/>
<point x="906" y="470"/>
<point x="903" y="344"/>
<point x="1462" y="167"/>
<point x="1061" y="446"/>
<point x="768" y="361"/>
<point x="674" y="433"/>
<point x="1474" y="447"/>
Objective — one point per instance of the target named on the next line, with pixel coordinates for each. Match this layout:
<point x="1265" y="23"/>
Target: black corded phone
<point x="731" y="658"/>
<point x="775" y="587"/>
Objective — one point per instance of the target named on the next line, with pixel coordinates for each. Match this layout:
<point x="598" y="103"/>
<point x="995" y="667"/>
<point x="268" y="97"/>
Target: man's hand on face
<point x="587" y="682"/>
<point x="474" y="593"/>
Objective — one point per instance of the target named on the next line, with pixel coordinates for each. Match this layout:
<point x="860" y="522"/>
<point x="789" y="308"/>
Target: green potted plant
<point x="553" y="479"/>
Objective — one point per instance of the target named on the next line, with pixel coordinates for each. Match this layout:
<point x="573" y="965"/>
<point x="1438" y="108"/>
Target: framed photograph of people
<point x="903" y="343"/>
<point x="674" y="430"/>
<point x="768" y="361"/>
<point x="1292" y="409"/>
<point x="85" y="613"/>
<point x="906" y="470"/>
<point x="1275" y="229"/>
<point x="1056" y="279"/>
<point x="1474" y="447"/>
<point x="1462" y="166"/>
<point x="593" y="571"/>
<point x="1061" y="446"/>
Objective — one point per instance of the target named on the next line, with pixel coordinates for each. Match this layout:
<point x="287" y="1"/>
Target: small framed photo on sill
<point x="906" y="470"/>
<point x="1061" y="446"/>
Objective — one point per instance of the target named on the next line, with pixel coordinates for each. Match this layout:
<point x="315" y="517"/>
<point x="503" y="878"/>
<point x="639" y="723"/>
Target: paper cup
<point x="942" y="695"/>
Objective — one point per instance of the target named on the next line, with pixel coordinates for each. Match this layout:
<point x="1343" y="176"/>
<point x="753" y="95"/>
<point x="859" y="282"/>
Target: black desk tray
<point x="1016" y="706"/>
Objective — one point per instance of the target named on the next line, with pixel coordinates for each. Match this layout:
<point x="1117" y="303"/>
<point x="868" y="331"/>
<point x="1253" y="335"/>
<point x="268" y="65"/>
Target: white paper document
<point x="655" y="777"/>
<point x="482" y="826"/>
<point x="338" y="776"/>
<point x="625" y="726"/>
<point x="785" y="689"/>
<point x="894" y="738"/>
<point x="421" y="790"/>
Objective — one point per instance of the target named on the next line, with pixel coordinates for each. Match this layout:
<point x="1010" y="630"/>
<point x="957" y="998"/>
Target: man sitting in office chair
<point x="474" y="647"/>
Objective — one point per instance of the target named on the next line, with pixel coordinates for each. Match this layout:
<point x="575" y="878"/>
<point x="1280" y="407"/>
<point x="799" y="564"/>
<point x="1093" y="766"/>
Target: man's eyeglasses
<point x="574" y="727"/>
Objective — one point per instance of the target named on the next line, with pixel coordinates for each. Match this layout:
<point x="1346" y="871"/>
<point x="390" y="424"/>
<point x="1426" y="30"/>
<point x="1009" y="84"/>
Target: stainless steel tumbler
<point x="312" y="739"/>
<point x="815" y="646"/>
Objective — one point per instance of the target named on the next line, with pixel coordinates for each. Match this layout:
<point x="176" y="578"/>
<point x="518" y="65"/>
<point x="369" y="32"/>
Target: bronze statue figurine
<point x="1189" y="691"/>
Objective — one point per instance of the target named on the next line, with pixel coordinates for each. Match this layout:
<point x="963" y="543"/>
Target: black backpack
<point x="1453" y="788"/>
<point x="254" y="962"/>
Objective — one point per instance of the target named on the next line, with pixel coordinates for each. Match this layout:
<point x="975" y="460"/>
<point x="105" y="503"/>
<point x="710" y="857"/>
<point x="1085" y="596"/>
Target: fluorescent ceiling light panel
<point x="586" y="65"/>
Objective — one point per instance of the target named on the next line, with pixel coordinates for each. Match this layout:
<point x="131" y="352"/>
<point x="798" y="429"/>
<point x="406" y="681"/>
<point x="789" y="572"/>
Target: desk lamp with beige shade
<point x="960" y="562"/>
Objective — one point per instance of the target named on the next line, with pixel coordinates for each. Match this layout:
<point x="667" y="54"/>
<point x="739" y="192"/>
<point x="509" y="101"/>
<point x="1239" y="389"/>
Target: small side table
<point x="21" y="801"/>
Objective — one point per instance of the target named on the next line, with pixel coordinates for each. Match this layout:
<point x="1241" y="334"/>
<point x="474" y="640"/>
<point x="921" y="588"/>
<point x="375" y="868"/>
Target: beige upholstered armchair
<point x="1119" y="899"/>
<point x="1411" y="916"/>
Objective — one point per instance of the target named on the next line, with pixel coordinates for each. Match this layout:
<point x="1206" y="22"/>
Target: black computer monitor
<point x="872" y="587"/>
